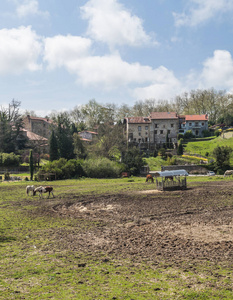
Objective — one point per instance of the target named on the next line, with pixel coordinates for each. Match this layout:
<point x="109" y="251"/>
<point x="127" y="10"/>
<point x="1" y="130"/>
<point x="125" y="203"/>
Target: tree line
<point x="108" y="118"/>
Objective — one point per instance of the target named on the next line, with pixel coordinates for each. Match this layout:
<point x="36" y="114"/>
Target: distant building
<point x="87" y="136"/>
<point x="196" y="123"/>
<point x="155" y="130"/>
<point x="40" y="126"/>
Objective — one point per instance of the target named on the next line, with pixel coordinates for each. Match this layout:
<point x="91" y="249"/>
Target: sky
<point x="56" y="55"/>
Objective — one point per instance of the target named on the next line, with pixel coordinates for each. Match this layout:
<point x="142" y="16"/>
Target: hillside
<point x="206" y="148"/>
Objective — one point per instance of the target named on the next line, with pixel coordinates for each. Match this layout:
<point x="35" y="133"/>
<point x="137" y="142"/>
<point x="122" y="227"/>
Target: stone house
<point x="196" y="123"/>
<point x="40" y="126"/>
<point x="154" y="131"/>
<point x="87" y="136"/>
<point x="164" y="125"/>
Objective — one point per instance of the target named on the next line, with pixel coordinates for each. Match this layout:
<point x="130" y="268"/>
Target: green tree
<point x="180" y="149"/>
<point x="79" y="148"/>
<point x="53" y="147"/>
<point x="31" y="165"/>
<point x="222" y="157"/>
<point x="133" y="161"/>
<point x="10" y="126"/>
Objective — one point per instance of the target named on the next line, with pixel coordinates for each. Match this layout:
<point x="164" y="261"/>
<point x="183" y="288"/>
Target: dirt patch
<point x="176" y="226"/>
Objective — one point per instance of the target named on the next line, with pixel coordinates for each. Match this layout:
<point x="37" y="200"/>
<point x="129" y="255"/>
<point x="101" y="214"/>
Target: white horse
<point x="30" y="188"/>
<point x="228" y="173"/>
<point x="41" y="190"/>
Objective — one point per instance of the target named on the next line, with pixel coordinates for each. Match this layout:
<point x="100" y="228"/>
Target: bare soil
<point x="171" y="226"/>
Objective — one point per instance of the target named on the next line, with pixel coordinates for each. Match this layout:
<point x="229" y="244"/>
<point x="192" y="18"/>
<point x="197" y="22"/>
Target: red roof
<point x="139" y="120"/>
<point x="163" y="115"/>
<point x="196" y="117"/>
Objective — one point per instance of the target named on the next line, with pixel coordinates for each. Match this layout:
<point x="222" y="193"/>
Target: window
<point x="139" y="133"/>
<point x="139" y="128"/>
<point x="146" y="140"/>
<point x="203" y="124"/>
<point x="146" y="133"/>
<point x="190" y="124"/>
<point x="169" y="131"/>
<point x="156" y="125"/>
<point x="196" y="123"/>
<point x="155" y="131"/>
<point x="161" y="131"/>
<point x="172" y="125"/>
<point x="146" y="127"/>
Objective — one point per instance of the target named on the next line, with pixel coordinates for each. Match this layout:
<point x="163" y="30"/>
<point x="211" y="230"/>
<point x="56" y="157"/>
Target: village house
<point x="196" y="123"/>
<point x="40" y="126"/>
<point x="161" y="127"/>
<point x="87" y="136"/>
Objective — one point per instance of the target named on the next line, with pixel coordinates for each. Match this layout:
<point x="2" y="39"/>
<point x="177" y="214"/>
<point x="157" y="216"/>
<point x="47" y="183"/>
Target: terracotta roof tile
<point x="196" y="117"/>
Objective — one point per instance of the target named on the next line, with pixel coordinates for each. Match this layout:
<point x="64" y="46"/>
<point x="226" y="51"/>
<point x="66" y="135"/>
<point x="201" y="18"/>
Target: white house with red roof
<point x="196" y="123"/>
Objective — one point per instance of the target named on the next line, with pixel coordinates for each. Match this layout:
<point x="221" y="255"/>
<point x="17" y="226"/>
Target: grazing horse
<point x="30" y="188"/>
<point x="41" y="190"/>
<point x="228" y="173"/>
<point x="149" y="177"/>
<point x="169" y="178"/>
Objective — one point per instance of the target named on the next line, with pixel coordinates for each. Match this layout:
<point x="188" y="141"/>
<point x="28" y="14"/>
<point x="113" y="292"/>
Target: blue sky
<point x="56" y="54"/>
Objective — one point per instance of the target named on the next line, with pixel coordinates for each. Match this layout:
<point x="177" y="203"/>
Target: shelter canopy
<point x="169" y="173"/>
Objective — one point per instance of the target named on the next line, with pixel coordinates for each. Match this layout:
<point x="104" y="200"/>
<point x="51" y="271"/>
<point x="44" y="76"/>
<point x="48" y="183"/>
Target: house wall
<point x="160" y="129"/>
<point x="38" y="126"/>
<point x="195" y="126"/>
<point x="138" y="132"/>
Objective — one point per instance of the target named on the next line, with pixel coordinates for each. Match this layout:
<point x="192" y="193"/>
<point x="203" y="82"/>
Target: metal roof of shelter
<point x="169" y="173"/>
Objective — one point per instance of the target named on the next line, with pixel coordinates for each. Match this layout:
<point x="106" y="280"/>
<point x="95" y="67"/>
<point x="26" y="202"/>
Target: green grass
<point x="33" y="267"/>
<point x="203" y="147"/>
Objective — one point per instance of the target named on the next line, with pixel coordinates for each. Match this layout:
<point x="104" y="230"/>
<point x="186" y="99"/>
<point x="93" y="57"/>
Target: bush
<point x="188" y="135"/>
<point x="63" y="169"/>
<point x="102" y="168"/>
<point x="10" y="159"/>
<point x="206" y="133"/>
<point x="7" y="176"/>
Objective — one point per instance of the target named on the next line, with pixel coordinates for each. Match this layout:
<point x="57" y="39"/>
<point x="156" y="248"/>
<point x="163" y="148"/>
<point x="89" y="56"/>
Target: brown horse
<point x="149" y="177"/>
<point x="41" y="190"/>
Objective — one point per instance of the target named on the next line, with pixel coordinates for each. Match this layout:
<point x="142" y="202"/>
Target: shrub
<point x="206" y="133"/>
<point x="188" y="135"/>
<point x="7" y="176"/>
<point x="63" y="169"/>
<point x="102" y="168"/>
<point x="10" y="159"/>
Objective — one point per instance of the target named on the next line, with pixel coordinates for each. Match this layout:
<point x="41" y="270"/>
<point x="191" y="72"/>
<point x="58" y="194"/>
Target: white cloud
<point x="218" y="71"/>
<point x="111" y="23"/>
<point x="200" y="11"/>
<point x="164" y="86"/>
<point x="61" y="50"/>
<point x="19" y="51"/>
<point x="29" y="8"/>
<point x="110" y="72"/>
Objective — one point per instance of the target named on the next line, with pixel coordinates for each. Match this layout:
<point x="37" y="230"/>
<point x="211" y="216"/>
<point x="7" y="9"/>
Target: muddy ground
<point x="193" y="224"/>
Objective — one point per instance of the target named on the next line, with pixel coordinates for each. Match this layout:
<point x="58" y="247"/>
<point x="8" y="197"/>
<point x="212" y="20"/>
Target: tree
<point x="180" y="149"/>
<point x="79" y="148"/>
<point x="222" y="156"/>
<point x="11" y="124"/>
<point x="133" y="161"/>
<point x="31" y="165"/>
<point x="53" y="147"/>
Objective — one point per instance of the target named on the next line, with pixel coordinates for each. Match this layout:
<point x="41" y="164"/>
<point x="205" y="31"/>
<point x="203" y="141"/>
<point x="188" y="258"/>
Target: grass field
<point x="34" y="267"/>
<point x="203" y="147"/>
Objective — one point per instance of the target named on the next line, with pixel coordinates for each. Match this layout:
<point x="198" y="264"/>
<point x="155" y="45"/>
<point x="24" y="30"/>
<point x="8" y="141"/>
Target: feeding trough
<point x="170" y="180"/>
